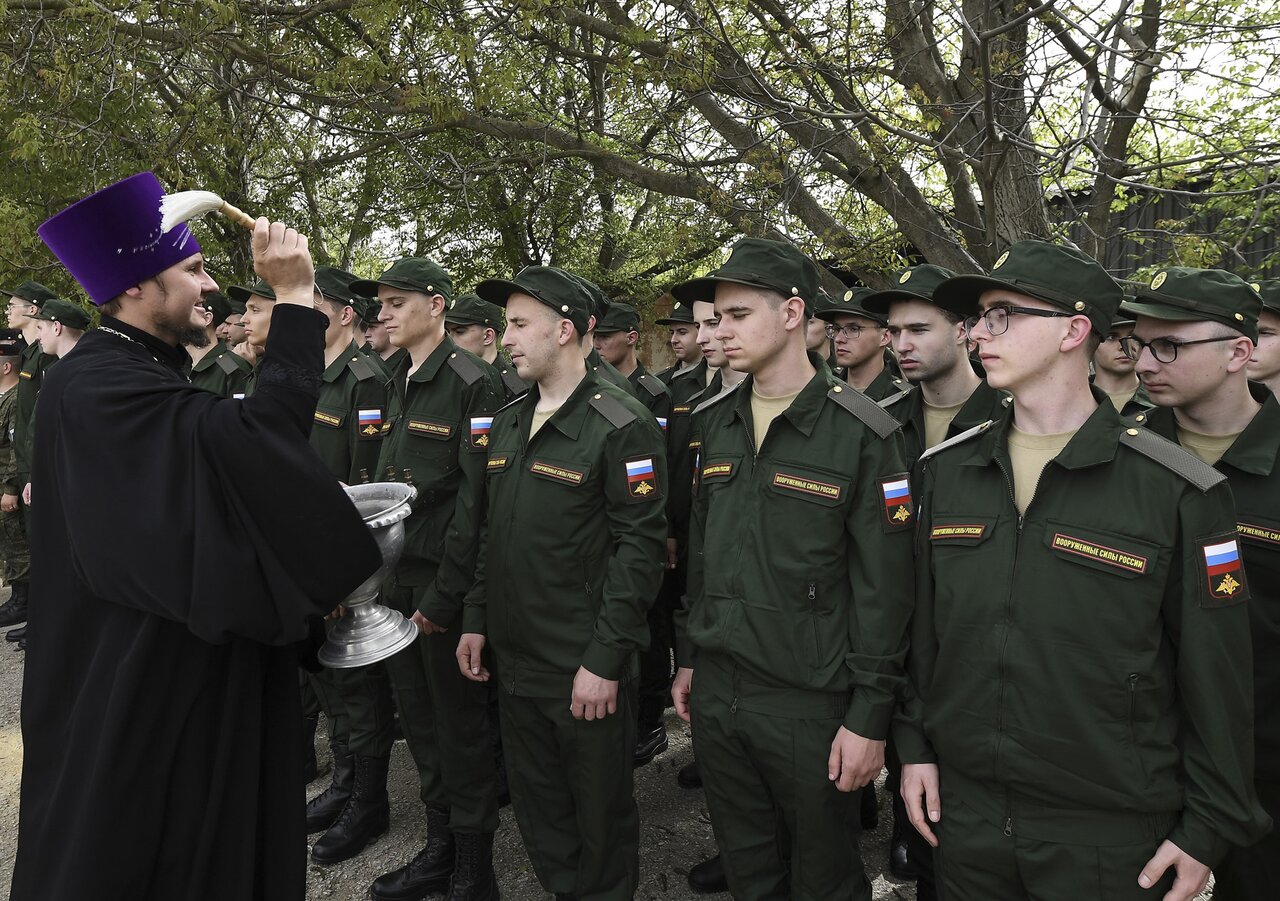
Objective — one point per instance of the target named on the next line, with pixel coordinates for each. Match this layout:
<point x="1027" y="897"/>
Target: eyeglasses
<point x="997" y="318"/>
<point x="1165" y="350"/>
<point x="849" y="331"/>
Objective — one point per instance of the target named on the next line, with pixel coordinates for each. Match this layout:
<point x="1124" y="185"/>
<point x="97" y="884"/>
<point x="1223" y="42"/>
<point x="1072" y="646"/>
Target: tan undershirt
<point x="1029" y="454"/>
<point x="1120" y="398"/>
<point x="1208" y="448"/>
<point x="764" y="410"/>
<point x="711" y="374"/>
<point x="540" y="418"/>
<point x="936" y="422"/>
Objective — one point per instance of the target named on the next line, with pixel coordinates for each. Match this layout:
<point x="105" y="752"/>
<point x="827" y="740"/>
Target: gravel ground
<point x="675" y="832"/>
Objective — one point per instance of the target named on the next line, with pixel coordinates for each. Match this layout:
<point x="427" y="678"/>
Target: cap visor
<point x="497" y="291"/>
<point x="960" y="294"/>
<point x="704" y="289"/>
<point x="880" y="300"/>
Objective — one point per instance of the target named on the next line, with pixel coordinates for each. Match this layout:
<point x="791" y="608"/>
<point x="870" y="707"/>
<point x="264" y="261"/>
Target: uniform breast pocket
<point x="962" y="551"/>
<point x="805" y="484"/>
<point x="430" y="448"/>
<point x="714" y="471"/>
<point x="1101" y="551"/>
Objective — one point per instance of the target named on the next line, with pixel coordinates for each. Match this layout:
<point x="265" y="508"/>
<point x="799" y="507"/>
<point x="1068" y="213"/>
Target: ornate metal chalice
<point x="370" y="632"/>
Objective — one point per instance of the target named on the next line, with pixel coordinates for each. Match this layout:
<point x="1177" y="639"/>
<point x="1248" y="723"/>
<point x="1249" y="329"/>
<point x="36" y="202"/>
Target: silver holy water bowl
<point x="370" y="632"/>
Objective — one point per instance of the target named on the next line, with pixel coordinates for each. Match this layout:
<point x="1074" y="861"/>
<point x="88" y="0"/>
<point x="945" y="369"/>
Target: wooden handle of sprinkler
<point x="237" y="215"/>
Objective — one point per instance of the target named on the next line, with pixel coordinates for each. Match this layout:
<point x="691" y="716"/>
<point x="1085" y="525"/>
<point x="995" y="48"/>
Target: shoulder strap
<point x="652" y="384"/>
<point x="867" y="410"/>
<point x="957" y="439"/>
<point x="360" y="368"/>
<point x="468" y="369"/>
<point x="892" y="399"/>
<point x="712" y="401"/>
<point x="227" y="362"/>
<point x="612" y="409"/>
<point x="1172" y="457"/>
<point x="514" y="383"/>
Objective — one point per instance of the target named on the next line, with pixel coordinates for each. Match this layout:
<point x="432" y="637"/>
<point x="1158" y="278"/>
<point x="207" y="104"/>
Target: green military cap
<point x="237" y="306"/>
<point x="471" y="309"/>
<point x="1269" y="290"/>
<point x="912" y="283"/>
<point x="852" y="302"/>
<point x="1058" y="275"/>
<point x="335" y="284"/>
<point x="241" y="294"/>
<point x="681" y="314"/>
<point x="1183" y="294"/>
<point x="12" y="343"/>
<point x="58" y="310"/>
<point x="622" y="317"/>
<point x="409" y="274"/>
<point x="772" y="265"/>
<point x="561" y="291"/>
<point x="216" y="303"/>
<point x="366" y="309"/>
<point x="34" y="292"/>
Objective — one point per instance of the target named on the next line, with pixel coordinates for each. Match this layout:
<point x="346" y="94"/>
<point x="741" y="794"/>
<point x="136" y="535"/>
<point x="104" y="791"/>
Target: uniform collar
<point x="431" y="365"/>
<point x="806" y="408"/>
<point x="1257" y="447"/>
<point x="218" y="349"/>
<point x="335" y="369"/>
<point x="1093" y="444"/>
<point x="572" y="413"/>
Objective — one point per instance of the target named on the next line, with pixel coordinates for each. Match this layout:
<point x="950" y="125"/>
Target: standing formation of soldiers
<point x="1018" y="541"/>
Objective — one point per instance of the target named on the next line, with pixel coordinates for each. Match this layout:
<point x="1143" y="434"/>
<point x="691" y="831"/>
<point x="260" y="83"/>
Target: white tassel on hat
<point x="187" y="205"/>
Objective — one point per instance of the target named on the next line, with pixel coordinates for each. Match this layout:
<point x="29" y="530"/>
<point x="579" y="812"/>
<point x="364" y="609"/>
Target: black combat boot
<point x="14" y="610"/>
<point x="366" y="816"/>
<point x="707" y="878"/>
<point x="430" y="871"/>
<point x="323" y="810"/>
<point x="473" y="876"/>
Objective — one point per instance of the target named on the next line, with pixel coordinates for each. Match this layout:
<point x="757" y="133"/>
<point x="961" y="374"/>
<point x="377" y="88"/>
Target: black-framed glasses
<point x="849" y="331"/>
<point x="997" y="318"/>
<point x="1165" y="350"/>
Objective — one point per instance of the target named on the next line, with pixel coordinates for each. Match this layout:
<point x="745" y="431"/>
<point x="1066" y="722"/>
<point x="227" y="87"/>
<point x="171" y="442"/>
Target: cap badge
<point x="1079" y="305"/>
<point x="848" y="296"/>
<point x="905" y="277"/>
<point x="1256" y="287"/>
<point x="1000" y="262"/>
<point x="1159" y="280"/>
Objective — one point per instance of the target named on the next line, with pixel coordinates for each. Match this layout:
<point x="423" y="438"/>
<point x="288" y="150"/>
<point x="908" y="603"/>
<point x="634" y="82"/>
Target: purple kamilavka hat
<point x="111" y="240"/>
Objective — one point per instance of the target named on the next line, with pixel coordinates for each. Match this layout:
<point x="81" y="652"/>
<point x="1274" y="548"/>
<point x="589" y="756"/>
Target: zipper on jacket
<point x="813" y="619"/>
<point x="1008" y="615"/>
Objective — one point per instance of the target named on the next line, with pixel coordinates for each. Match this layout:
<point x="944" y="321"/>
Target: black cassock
<point x="183" y="546"/>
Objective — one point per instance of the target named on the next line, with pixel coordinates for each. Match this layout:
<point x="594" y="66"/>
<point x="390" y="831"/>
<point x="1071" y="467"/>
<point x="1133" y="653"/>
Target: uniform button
<point x="597" y="397"/>
<point x="1131" y="431"/>
<point x="451" y="356"/>
<point x="1140" y="418"/>
<point x="837" y="389"/>
<point x="1079" y="304"/>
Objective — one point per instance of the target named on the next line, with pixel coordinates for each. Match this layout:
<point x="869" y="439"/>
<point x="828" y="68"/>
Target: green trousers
<point x="762" y="753"/>
<point x="976" y="860"/>
<point x="571" y="790"/>
<point x="445" y="720"/>
<point x="13" y="543"/>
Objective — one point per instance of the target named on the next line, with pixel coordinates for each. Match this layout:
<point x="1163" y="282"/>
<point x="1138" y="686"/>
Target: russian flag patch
<point x="370" y="422"/>
<point x="642" y="480"/>
<point x="480" y="426"/>
<point x="899" y="511"/>
<point x="1224" y="569"/>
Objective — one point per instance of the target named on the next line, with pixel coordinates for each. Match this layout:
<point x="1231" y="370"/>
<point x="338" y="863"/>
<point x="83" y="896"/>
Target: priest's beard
<point x="193" y="336"/>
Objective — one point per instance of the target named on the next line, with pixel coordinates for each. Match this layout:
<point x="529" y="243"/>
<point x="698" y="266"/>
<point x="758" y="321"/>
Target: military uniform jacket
<point x="576" y="539"/>
<point x="350" y="415"/>
<point x="686" y="388"/>
<point x="221" y="371"/>
<point x="653" y="393"/>
<point x="1252" y="467"/>
<point x="1090" y="657"/>
<point x="34" y="363"/>
<point x="984" y="403"/>
<point x="609" y="372"/>
<point x="511" y="381"/>
<point x="436" y="439"/>
<point x="888" y="387"/>
<point x="8" y="459"/>
<point x="800" y="556"/>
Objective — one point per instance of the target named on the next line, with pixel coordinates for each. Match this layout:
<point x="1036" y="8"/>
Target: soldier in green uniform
<point x="861" y="338"/>
<point x="794" y="630"/>
<point x="599" y="309"/>
<point x="13" y="534"/>
<point x="576" y="527"/>
<point x="25" y="300"/>
<point x="437" y="440"/>
<point x="1264" y="365"/>
<point x="1079" y="716"/>
<point x="1113" y="371"/>
<point x="1192" y="345"/>
<point x="615" y="339"/>
<point x="214" y="367"/>
<point x="473" y="325"/>
<point x="684" y="343"/>
<point x="259" y="300"/>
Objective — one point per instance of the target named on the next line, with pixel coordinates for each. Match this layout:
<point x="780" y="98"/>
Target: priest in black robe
<point x="160" y="709"/>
